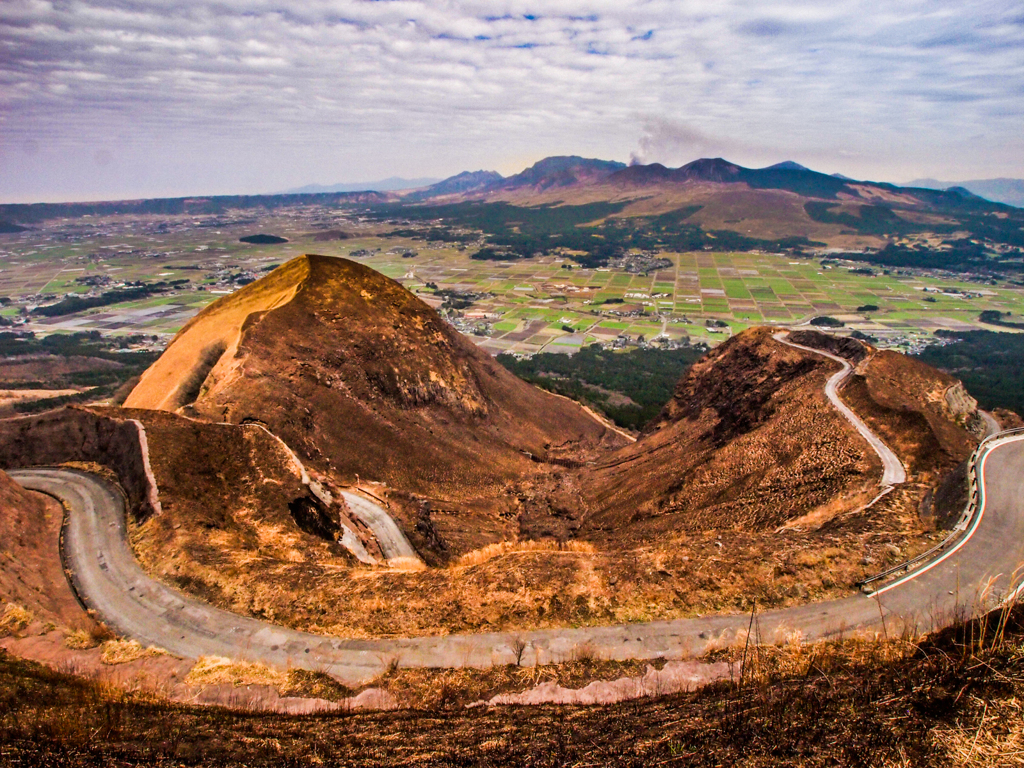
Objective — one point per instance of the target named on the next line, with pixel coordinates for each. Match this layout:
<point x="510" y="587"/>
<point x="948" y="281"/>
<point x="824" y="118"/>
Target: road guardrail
<point x="966" y="517"/>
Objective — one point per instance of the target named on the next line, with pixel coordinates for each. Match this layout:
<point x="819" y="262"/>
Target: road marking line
<point x="970" y="533"/>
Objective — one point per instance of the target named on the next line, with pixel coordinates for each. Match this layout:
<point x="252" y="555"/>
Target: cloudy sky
<point x="138" y="98"/>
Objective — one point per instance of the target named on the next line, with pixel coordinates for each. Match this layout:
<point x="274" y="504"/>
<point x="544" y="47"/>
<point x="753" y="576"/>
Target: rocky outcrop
<point x="841" y="346"/>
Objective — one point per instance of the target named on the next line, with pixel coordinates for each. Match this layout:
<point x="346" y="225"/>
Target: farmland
<point x="545" y="303"/>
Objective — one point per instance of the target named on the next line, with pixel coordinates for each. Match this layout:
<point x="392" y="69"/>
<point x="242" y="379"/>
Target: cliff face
<point x="925" y="415"/>
<point x="81" y="435"/>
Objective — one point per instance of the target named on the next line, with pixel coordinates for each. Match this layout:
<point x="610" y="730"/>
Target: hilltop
<point x="365" y="381"/>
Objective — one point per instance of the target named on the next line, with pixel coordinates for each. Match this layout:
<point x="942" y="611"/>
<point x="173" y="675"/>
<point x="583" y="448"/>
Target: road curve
<point x="110" y="581"/>
<point x="992" y="425"/>
<point x="893" y="471"/>
<point x="392" y="541"/>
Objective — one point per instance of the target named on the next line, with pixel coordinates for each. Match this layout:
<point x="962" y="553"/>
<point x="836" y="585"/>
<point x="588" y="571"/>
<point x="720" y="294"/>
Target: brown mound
<point x="366" y="382"/>
<point x="748" y="442"/>
<point x="923" y="414"/>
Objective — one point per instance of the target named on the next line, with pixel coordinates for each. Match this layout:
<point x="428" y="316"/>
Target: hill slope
<point x="365" y="381"/>
<point x="750" y="442"/>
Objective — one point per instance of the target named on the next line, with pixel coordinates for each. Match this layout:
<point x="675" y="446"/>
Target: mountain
<point x="390" y="184"/>
<point x="709" y="169"/>
<point x="728" y="206"/>
<point x="364" y="380"/>
<point x="1001" y="190"/>
<point x="467" y="181"/>
<point x="787" y="165"/>
<point x="554" y="172"/>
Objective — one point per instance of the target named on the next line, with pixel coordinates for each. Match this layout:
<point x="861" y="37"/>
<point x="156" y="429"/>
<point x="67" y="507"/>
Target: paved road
<point x="110" y="581"/>
<point x="393" y="543"/>
<point x="893" y="471"/>
<point x="992" y="427"/>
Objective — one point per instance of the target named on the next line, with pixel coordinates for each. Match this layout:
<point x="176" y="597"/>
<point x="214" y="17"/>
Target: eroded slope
<point x="367" y="383"/>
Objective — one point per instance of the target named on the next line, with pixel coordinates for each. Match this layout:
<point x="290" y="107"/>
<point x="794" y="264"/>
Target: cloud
<point x="195" y="94"/>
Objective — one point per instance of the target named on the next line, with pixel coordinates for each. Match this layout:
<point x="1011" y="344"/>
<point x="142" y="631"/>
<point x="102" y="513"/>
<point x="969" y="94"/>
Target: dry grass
<point x="79" y="640"/>
<point x="526" y="585"/>
<point x="995" y="742"/>
<point x="217" y="670"/>
<point x="453" y="688"/>
<point x="503" y="548"/>
<point x="315" y="685"/>
<point x="82" y="639"/>
<point x="14" y="619"/>
<point x="126" y="651"/>
<point x="937" y="702"/>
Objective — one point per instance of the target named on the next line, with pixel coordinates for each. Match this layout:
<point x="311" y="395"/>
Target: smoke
<point x="674" y="143"/>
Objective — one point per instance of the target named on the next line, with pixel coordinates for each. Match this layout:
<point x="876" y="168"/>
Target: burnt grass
<point x="845" y="707"/>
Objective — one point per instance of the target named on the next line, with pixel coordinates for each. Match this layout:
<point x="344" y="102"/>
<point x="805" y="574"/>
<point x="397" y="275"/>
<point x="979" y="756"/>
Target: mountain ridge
<point x="390" y="184"/>
<point x="998" y="190"/>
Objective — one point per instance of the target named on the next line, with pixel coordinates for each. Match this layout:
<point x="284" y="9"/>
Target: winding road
<point x="981" y="569"/>
<point x="977" y="571"/>
<point x="893" y="471"/>
<point x="392" y="541"/>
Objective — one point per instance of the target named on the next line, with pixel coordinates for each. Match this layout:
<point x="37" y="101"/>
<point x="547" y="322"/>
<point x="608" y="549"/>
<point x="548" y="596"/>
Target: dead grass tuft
<point x="126" y="651"/>
<point x="79" y="640"/>
<point x="14" y="619"/>
<point x="217" y="670"/>
<point x="313" y="684"/>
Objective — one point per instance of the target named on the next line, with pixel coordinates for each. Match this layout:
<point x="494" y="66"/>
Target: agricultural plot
<point x="545" y="303"/>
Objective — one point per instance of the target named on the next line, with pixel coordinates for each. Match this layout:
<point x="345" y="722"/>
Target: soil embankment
<point x="80" y="435"/>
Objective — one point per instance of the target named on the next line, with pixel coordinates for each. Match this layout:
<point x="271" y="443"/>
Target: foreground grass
<point x="952" y="699"/>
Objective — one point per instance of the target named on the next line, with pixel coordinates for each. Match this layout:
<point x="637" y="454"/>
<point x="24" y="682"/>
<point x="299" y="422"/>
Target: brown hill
<point x="367" y="382"/>
<point x="750" y="442"/>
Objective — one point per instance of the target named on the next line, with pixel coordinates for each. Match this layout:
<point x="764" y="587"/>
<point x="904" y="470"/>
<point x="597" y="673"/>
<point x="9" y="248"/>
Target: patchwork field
<point x="544" y="303"/>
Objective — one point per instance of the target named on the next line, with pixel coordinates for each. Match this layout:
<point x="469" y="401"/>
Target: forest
<point x="587" y="232"/>
<point x="594" y="375"/>
<point x="987" y="362"/>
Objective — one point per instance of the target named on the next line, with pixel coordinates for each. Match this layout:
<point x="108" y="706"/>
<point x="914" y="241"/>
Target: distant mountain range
<point x="1002" y="190"/>
<point x="462" y="183"/>
<point x="392" y="184"/>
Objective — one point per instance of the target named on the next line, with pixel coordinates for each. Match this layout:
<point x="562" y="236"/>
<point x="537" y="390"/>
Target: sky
<point x="150" y="98"/>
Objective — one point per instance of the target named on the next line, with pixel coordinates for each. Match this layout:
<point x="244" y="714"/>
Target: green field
<point x="532" y="302"/>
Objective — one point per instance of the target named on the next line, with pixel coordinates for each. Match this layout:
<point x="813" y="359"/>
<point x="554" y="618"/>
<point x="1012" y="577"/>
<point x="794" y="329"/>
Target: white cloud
<point x="197" y="94"/>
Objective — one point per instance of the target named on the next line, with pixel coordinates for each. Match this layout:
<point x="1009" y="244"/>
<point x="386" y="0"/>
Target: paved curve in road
<point x="892" y="468"/>
<point x="110" y="581"/>
<point x="393" y="543"/>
